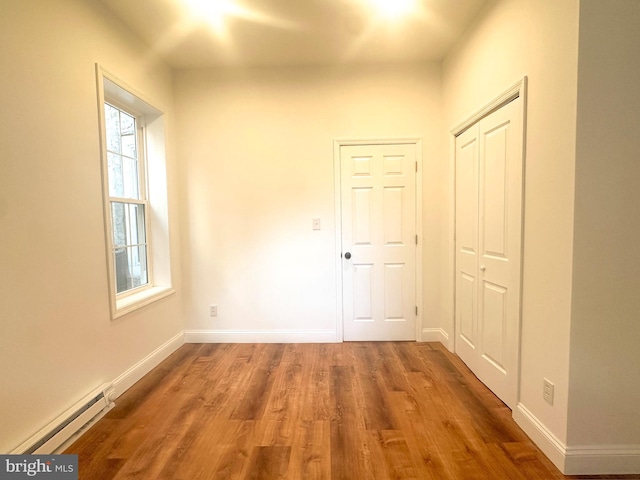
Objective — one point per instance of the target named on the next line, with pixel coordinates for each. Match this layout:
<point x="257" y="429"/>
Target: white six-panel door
<point x="489" y="166"/>
<point x="378" y="197"/>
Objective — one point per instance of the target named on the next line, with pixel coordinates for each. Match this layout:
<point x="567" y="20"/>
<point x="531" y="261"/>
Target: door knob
<point x="347" y="255"/>
<point x="483" y="268"/>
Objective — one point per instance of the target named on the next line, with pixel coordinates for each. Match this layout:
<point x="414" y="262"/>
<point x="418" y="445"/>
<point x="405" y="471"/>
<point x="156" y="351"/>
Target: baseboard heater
<point x="56" y="433"/>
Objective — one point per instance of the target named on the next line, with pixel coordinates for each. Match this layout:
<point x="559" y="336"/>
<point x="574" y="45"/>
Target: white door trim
<point x="337" y="144"/>
<point x="519" y="89"/>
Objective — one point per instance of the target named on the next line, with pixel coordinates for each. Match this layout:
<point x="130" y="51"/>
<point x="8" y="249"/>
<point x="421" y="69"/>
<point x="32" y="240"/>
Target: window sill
<point x="141" y="299"/>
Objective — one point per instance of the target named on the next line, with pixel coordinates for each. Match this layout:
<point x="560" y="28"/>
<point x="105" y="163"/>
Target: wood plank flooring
<point x="383" y="410"/>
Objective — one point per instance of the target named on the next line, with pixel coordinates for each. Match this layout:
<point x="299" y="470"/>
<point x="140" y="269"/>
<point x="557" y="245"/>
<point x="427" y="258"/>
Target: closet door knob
<point x="347" y="255"/>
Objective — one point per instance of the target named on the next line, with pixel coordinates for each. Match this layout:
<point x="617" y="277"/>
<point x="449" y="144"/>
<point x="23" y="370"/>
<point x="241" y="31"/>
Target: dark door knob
<point x="347" y="255"/>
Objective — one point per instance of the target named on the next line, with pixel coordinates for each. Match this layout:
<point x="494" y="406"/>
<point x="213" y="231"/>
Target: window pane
<point x="123" y="176"/>
<point x="128" y="224"/>
<point x="122" y="275"/>
<point x="136" y="222"/>
<point x="130" y="178"/>
<point x="138" y="265"/>
<point x="128" y="134"/>
<point x="128" y="123"/>
<point x="112" y="122"/>
<point x="122" y="153"/>
<point x="116" y="175"/>
<point x="119" y="224"/>
<point x="129" y="145"/>
<point x="131" y="267"/>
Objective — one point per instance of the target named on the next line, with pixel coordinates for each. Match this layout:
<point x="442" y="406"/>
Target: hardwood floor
<point x="311" y="411"/>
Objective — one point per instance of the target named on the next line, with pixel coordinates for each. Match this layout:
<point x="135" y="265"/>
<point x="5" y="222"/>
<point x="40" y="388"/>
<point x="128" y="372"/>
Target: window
<point x="135" y="197"/>
<point x="127" y="198"/>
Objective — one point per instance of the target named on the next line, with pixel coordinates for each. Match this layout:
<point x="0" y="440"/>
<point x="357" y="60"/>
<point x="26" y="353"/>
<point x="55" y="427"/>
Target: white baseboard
<point x="603" y="460"/>
<point x="148" y="363"/>
<point x="435" y="335"/>
<point x="546" y="441"/>
<point x="255" y="336"/>
<point x="579" y="460"/>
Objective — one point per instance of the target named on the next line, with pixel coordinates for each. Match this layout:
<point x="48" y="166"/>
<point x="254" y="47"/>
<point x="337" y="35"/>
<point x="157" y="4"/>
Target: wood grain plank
<point x="234" y="454"/>
<point x="423" y="433"/>
<point x="282" y="410"/>
<point x="315" y="383"/>
<point x="377" y="414"/>
<point x="391" y="368"/>
<point x="396" y="453"/>
<point x="346" y="446"/>
<point x="254" y="399"/>
<point x="311" y="451"/>
<point x="268" y="463"/>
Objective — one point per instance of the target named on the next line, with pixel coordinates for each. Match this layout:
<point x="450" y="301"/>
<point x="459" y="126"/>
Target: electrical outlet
<point x="213" y="310"/>
<point x="547" y="391"/>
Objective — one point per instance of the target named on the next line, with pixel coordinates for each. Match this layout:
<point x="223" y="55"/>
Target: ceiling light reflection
<point x="213" y="12"/>
<point x="395" y="9"/>
<point x="216" y="12"/>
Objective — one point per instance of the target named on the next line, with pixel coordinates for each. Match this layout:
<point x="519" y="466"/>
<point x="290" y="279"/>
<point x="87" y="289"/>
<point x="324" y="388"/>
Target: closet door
<point x="488" y="280"/>
<point x="467" y="164"/>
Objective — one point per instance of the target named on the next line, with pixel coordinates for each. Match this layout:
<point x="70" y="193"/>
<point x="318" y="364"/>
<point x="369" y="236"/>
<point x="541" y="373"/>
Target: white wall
<point x="57" y="342"/>
<point x="257" y="166"/>
<point x="539" y="39"/>
<point x="605" y="326"/>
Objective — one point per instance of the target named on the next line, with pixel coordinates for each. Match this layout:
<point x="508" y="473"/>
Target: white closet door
<point x="488" y="281"/>
<point x="467" y="163"/>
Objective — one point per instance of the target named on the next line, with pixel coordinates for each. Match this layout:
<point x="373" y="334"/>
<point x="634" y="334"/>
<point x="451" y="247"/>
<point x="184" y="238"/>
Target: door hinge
<point x="416" y="239"/>
<point x="416" y="310"/>
<point x="416" y="165"/>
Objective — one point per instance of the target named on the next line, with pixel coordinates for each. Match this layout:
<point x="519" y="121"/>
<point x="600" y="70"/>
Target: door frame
<point x="519" y="89"/>
<point x="337" y="177"/>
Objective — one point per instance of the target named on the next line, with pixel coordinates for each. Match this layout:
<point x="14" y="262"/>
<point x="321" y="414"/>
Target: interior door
<point x="488" y="257"/>
<point x="378" y="208"/>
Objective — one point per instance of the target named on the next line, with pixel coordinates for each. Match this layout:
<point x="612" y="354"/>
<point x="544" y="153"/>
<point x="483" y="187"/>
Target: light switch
<point x="316" y="224"/>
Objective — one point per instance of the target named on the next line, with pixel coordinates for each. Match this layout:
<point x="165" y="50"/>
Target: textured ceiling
<point x="296" y="32"/>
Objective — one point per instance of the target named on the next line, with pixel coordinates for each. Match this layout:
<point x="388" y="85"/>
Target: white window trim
<point x="150" y="118"/>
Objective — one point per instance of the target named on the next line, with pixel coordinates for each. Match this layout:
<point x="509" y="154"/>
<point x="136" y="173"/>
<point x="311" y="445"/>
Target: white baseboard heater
<point x="56" y="433"/>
